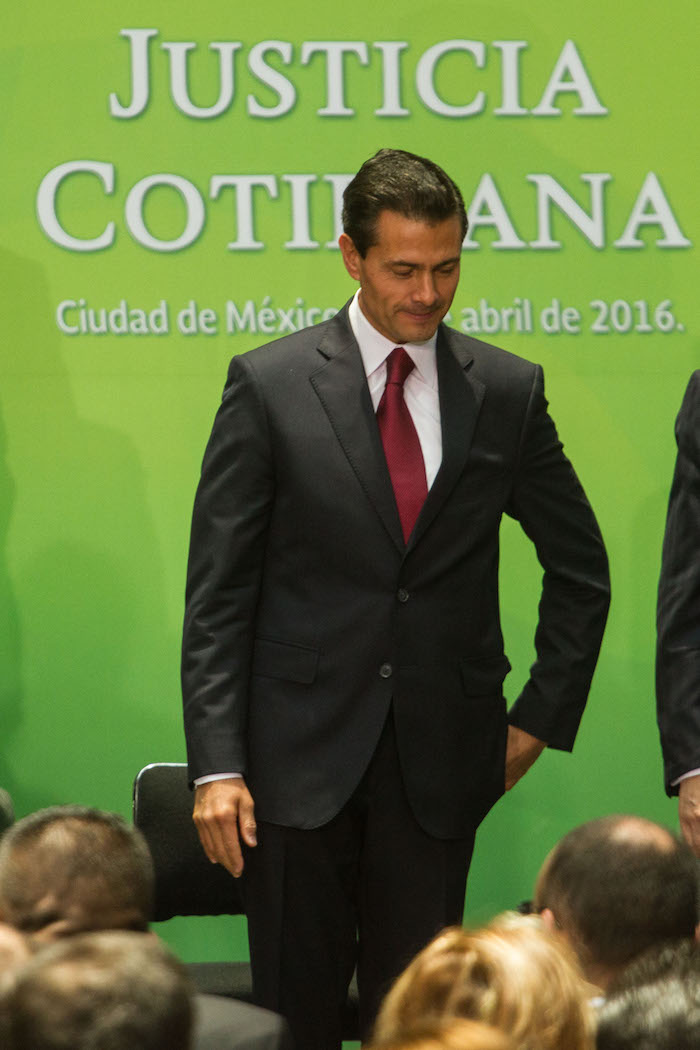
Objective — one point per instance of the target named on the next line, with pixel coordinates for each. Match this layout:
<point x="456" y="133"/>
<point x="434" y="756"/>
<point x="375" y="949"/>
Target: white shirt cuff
<point x="216" y="776"/>
<point x="686" y="776"/>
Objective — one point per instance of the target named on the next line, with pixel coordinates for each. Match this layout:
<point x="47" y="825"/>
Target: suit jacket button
<point x="402" y="594"/>
<point x="386" y="671"/>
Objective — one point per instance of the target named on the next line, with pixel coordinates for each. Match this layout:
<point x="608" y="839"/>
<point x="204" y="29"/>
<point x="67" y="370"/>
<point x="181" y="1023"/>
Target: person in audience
<point x="655" y="1005"/>
<point x="513" y="975"/>
<point x="71" y="869"/>
<point x="68" y="870"/>
<point x="114" y="990"/>
<point x="615" y="887"/>
<point x="454" y="1034"/>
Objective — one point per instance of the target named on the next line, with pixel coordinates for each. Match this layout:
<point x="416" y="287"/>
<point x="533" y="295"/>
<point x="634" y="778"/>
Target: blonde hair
<point x="512" y="974"/>
<point x="456" y="1033"/>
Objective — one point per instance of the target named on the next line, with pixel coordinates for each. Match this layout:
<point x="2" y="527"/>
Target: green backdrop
<point x="190" y="193"/>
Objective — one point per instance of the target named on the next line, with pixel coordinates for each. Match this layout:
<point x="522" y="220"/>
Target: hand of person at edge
<point x="224" y="814"/>
<point x="689" y="811"/>
<point x="522" y="750"/>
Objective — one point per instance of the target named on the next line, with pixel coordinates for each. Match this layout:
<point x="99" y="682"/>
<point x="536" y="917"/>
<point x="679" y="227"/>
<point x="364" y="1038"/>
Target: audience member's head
<point x="70" y="869"/>
<point x="616" y="887"/>
<point x="655" y="1004"/>
<point x="513" y="975"/>
<point x="113" y="990"/>
<point x="457" y="1033"/>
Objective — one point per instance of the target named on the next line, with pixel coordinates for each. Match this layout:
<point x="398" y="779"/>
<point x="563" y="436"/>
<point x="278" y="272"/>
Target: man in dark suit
<point x="343" y="648"/>
<point x="678" y="624"/>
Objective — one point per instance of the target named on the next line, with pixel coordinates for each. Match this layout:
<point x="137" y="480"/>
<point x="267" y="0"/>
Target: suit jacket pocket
<point x="285" y="660"/>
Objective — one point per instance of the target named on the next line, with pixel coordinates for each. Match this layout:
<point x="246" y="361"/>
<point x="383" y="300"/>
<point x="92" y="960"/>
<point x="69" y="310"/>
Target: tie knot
<point x="398" y="366"/>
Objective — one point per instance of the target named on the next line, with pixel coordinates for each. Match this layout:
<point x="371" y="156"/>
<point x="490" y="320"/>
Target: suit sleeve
<point x="678" y="610"/>
<point x="227" y="548"/>
<point x="551" y="506"/>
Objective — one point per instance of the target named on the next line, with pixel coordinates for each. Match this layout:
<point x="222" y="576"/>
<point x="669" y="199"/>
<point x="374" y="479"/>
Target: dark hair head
<point x="112" y="990"/>
<point x="66" y="860"/>
<point x="655" y="1004"/>
<point x="618" y="886"/>
<point x="394" y="180"/>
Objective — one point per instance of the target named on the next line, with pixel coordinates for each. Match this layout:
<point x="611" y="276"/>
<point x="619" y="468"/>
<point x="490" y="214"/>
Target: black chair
<point x="7" y="812"/>
<point x="188" y="884"/>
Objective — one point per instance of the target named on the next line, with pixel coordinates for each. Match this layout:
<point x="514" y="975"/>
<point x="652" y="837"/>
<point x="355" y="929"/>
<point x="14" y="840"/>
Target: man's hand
<point x="522" y="749"/>
<point x="689" y="811"/>
<point x="223" y="809"/>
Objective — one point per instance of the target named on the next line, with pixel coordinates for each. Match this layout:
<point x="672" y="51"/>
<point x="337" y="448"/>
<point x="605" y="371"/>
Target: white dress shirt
<point x="420" y="389"/>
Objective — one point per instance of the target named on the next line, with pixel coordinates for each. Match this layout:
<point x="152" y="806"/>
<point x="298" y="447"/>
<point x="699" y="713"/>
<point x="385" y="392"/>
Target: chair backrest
<point x="186" y="882"/>
<point x="7" y="812"/>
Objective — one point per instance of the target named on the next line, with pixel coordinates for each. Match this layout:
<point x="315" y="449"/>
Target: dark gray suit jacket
<point x="307" y="614"/>
<point x="227" y="1024"/>
<point x="678" y="613"/>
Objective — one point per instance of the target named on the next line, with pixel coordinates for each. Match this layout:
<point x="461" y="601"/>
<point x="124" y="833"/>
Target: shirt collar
<point x="375" y="347"/>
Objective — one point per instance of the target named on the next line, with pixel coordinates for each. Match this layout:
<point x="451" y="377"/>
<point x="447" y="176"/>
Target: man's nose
<point x="425" y="290"/>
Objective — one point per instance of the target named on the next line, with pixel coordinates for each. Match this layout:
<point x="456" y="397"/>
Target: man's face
<point x="409" y="277"/>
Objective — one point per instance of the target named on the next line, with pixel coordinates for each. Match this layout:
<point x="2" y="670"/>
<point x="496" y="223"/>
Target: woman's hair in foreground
<point x="456" y="1033"/>
<point x="512" y="974"/>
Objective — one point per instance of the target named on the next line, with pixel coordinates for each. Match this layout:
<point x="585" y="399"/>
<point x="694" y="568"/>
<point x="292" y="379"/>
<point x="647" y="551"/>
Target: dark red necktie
<point x="401" y="445"/>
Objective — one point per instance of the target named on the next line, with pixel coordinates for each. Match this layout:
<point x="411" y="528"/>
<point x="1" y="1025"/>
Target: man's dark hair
<point x="394" y="180"/>
<point x="112" y="990"/>
<point x="655" y="1004"/>
<point x="68" y="851"/>
<point x="618" y="886"/>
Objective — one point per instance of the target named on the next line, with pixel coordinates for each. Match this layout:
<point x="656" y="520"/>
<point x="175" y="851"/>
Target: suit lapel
<point x="341" y="386"/>
<point x="461" y="396"/>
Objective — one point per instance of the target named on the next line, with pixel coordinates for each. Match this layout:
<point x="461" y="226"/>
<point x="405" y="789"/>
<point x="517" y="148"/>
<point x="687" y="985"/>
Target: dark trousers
<point x="367" y="890"/>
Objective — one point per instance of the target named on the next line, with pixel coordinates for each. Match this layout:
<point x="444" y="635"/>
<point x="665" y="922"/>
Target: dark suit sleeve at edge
<point x="229" y="527"/>
<point x="678" y="611"/>
<point x="551" y="506"/>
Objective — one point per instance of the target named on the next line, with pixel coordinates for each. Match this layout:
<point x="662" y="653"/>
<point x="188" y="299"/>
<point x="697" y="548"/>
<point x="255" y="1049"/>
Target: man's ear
<point x="351" y="256"/>
<point x="548" y="920"/>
